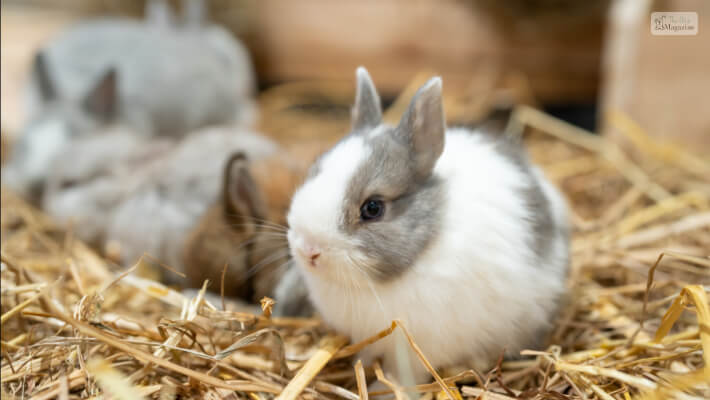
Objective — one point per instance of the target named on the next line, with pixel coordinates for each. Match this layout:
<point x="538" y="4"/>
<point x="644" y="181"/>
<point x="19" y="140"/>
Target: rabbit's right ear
<point x="243" y="202"/>
<point x="159" y="13"/>
<point x="367" y="112"/>
<point x="423" y="128"/>
<point x="41" y="74"/>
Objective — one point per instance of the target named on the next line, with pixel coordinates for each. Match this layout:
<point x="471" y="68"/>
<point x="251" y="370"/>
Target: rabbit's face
<point x="58" y="121"/>
<point x="371" y="205"/>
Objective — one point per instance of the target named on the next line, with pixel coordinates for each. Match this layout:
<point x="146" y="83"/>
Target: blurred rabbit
<point x="245" y="228"/>
<point x="93" y="175"/>
<point x="154" y="78"/>
<point x="175" y="190"/>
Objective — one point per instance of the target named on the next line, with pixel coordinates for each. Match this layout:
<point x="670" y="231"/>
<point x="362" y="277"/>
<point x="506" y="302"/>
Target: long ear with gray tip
<point x="423" y="127"/>
<point x="44" y="82"/>
<point x="367" y="112"/>
<point x="102" y="99"/>
<point x="242" y="197"/>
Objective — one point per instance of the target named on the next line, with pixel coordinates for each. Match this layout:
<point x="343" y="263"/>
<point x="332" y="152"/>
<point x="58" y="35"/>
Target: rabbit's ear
<point x="367" y="112"/>
<point x="423" y="127"/>
<point x="194" y="13"/>
<point x="159" y="13"/>
<point x="243" y="202"/>
<point x="44" y="81"/>
<point x="102" y="99"/>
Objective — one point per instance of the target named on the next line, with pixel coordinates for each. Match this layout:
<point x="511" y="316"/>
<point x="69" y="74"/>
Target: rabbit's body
<point x="451" y="231"/>
<point x="170" y="81"/>
<point x="145" y="195"/>
<point x="93" y="175"/>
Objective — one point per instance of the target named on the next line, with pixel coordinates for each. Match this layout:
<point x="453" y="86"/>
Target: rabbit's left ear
<point x="43" y="78"/>
<point x="367" y="112"/>
<point x="423" y="127"/>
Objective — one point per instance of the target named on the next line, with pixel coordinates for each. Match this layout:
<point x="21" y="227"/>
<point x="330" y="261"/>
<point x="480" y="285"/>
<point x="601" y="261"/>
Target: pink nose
<point x="311" y="253"/>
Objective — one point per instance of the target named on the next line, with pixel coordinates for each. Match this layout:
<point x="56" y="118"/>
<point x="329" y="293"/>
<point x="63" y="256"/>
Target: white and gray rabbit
<point x="450" y="230"/>
<point x="151" y="77"/>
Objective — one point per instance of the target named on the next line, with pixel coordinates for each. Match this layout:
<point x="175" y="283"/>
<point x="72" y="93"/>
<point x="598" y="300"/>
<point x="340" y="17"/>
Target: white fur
<point x="377" y="131"/>
<point x="475" y="291"/>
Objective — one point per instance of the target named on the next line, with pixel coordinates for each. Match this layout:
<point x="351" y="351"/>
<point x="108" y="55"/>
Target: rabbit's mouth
<point x="331" y="260"/>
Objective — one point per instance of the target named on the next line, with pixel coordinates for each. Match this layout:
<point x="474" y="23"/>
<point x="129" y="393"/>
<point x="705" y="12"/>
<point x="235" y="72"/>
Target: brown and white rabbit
<point x="450" y="230"/>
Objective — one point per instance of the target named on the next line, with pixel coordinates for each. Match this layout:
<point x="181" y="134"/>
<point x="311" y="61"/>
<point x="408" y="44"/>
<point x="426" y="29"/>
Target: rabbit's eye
<point x="372" y="209"/>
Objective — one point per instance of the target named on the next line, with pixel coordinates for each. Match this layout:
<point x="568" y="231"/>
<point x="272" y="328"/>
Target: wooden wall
<point x="551" y="48"/>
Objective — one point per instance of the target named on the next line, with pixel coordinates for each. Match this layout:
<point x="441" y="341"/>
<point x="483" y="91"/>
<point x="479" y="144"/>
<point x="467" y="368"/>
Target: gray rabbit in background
<point x="153" y="77"/>
<point x="92" y="176"/>
<point x="144" y="194"/>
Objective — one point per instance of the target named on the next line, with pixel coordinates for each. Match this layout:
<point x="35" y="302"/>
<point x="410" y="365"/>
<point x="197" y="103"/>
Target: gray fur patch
<point x="291" y="295"/>
<point x="413" y="209"/>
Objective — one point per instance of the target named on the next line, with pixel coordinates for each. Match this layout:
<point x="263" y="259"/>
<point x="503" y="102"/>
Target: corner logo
<point x="674" y="23"/>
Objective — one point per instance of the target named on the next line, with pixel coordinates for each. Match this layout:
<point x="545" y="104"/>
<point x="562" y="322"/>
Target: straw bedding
<point x="636" y="324"/>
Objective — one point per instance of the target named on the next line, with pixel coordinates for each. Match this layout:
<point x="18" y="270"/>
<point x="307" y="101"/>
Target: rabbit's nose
<point x="310" y="253"/>
<point x="313" y="257"/>
<point x="306" y="249"/>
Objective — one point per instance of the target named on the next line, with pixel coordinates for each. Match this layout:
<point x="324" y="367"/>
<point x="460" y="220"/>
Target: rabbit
<point x="245" y="227"/>
<point x="150" y="77"/>
<point x="175" y="191"/>
<point x="90" y="178"/>
<point x="450" y="230"/>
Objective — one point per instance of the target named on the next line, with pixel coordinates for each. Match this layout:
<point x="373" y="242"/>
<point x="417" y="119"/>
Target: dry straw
<point x="636" y="324"/>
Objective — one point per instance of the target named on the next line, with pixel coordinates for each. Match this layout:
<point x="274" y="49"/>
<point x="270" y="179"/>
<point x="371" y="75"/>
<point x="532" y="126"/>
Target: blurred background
<point x="573" y="58"/>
